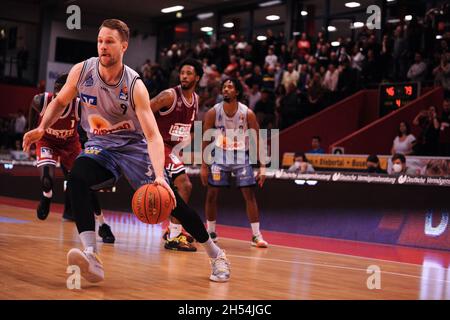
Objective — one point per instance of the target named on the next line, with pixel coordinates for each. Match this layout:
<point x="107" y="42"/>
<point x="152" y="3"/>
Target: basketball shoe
<point x="220" y="268"/>
<point x="43" y="208"/>
<point x="189" y="238"/>
<point x="104" y="231"/>
<point x="179" y="243"/>
<point x="90" y="265"/>
<point x="259" y="242"/>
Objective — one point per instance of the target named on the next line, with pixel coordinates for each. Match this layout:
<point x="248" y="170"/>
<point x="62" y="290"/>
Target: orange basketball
<point x="152" y="203"/>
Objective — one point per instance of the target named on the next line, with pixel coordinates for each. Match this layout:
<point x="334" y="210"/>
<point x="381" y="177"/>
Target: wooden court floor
<point x="33" y="266"/>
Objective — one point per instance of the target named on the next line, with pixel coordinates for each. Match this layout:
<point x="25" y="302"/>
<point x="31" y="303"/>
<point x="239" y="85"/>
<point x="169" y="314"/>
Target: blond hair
<point x="118" y="25"/>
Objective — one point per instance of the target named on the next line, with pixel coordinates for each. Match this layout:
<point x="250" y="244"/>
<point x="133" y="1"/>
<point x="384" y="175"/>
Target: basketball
<point x="152" y="204"/>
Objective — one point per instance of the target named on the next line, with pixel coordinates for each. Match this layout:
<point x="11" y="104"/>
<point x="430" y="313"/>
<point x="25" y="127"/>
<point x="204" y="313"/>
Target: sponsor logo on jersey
<point x="123" y="95"/>
<point x="180" y="131"/>
<point x="228" y="143"/>
<point x="215" y="172"/>
<point x="100" y="126"/>
<point x="46" y="153"/>
<point x="60" y="134"/>
<point x="92" y="150"/>
<point x="89" y="82"/>
<point x="88" y="101"/>
<point x="104" y="89"/>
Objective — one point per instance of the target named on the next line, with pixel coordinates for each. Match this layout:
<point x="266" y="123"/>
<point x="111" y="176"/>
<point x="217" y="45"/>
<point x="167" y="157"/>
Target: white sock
<point x="88" y="239"/>
<point x="211" y="226"/>
<point x="175" y="230"/>
<point x="48" y="194"/>
<point x="211" y="248"/>
<point x="100" y="219"/>
<point x="255" y="228"/>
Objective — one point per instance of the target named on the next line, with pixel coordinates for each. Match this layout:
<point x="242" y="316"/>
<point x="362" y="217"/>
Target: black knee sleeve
<point x="46" y="180"/>
<point x="95" y="203"/>
<point x="85" y="174"/>
<point x="190" y="220"/>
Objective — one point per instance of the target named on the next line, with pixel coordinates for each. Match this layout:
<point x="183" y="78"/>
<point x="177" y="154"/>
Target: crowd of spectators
<point x="287" y="80"/>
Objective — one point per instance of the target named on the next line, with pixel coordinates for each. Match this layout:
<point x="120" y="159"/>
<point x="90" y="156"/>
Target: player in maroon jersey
<point x="175" y="111"/>
<point x="60" y="140"/>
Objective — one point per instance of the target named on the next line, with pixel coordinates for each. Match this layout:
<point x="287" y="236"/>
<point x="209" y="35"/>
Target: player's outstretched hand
<point x="261" y="176"/>
<point x="163" y="183"/>
<point x="31" y="137"/>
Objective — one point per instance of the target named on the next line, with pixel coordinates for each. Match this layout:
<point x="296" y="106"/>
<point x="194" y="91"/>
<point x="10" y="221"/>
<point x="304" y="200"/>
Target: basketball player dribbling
<point x="231" y="115"/>
<point x="175" y="111"/>
<point x="123" y="138"/>
<point x="60" y="140"/>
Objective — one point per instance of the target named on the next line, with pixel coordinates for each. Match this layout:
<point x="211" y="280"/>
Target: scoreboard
<point x="395" y="95"/>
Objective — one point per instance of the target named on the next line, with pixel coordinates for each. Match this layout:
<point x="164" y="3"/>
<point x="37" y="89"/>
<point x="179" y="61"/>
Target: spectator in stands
<point x="404" y="141"/>
<point x="370" y="72"/>
<point x="334" y="58"/>
<point x="347" y="83"/>
<point x="255" y="78"/>
<point x="284" y="55"/>
<point x="303" y="80"/>
<point x="373" y="164"/>
<point x="265" y="110"/>
<point x="399" y="54"/>
<point x="315" y="94"/>
<point x="322" y="55"/>
<point x="279" y="72"/>
<point x="290" y="76"/>
<point x="303" y="45"/>
<point x="399" y="165"/>
<point x="254" y="96"/>
<point x="268" y="80"/>
<point x="145" y="68"/>
<point x="301" y="164"/>
<point x="428" y="142"/>
<point x="386" y="56"/>
<point x="445" y="116"/>
<point x="20" y="124"/>
<point x="357" y="58"/>
<point x="271" y="59"/>
<point x="247" y="72"/>
<point x="442" y="73"/>
<point x="242" y="44"/>
<point x="331" y="78"/>
<point x="315" y="144"/>
<point x="418" y="70"/>
<point x="289" y="111"/>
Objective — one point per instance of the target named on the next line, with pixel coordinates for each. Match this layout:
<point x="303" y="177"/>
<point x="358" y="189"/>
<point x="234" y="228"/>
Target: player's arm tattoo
<point x="163" y="99"/>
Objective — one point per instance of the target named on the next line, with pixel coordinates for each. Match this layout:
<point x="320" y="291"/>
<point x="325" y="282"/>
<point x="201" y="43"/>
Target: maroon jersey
<point x="175" y="122"/>
<point x="65" y="128"/>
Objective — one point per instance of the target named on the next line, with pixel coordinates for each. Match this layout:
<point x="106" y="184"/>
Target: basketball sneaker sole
<point x="78" y="258"/>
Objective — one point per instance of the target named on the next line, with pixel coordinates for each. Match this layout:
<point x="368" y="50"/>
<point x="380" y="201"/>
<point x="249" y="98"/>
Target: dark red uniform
<point x="175" y="124"/>
<point x="61" y="139"/>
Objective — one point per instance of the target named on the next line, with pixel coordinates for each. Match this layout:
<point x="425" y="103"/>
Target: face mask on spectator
<point x="397" y="168"/>
<point x="297" y="164"/>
